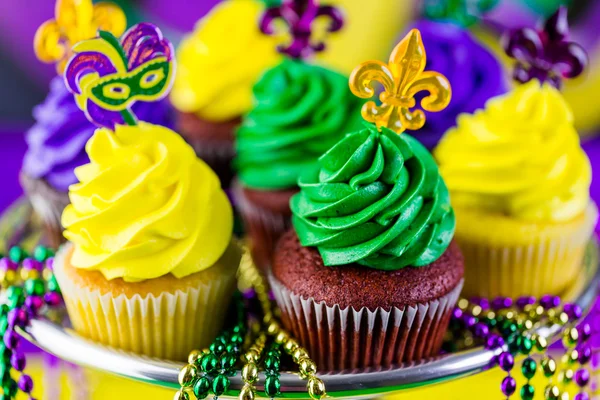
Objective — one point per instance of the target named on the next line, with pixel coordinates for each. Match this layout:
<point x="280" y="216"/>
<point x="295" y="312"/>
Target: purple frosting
<point x="474" y="74"/>
<point x="56" y="143"/>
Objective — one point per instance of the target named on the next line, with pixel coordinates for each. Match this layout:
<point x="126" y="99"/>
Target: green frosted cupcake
<point x="301" y="110"/>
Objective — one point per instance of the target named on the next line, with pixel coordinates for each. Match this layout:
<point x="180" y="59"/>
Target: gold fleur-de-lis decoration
<point x="75" y="21"/>
<point x="402" y="78"/>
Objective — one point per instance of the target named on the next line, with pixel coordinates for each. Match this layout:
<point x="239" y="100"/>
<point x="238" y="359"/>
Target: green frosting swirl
<point x="301" y="110"/>
<point x="377" y="199"/>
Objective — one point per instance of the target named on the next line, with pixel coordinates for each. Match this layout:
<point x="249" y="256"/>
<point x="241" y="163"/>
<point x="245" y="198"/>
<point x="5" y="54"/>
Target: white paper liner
<point x="340" y="339"/>
<point x="167" y="326"/>
<point x="263" y="227"/>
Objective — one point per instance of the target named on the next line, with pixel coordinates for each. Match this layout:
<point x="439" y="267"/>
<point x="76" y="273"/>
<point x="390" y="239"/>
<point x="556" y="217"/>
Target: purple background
<point x="12" y="149"/>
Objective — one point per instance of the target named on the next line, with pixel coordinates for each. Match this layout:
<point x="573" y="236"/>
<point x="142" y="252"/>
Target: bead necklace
<point x="506" y="322"/>
<point x="208" y="371"/>
<point x="307" y="367"/>
<point x="258" y="354"/>
<point x="29" y="287"/>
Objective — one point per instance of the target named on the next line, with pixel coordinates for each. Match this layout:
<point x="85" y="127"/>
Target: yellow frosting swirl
<point x="145" y="206"/>
<point x="520" y="157"/>
<point x="221" y="60"/>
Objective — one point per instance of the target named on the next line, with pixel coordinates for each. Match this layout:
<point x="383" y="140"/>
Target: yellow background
<point x="101" y="386"/>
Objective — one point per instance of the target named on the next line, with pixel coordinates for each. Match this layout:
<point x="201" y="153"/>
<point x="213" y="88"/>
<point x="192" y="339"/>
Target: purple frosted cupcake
<point x="474" y="74"/>
<point x="56" y="146"/>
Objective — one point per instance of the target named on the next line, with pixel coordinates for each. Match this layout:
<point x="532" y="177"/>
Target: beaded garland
<point x="282" y="339"/>
<point x="208" y="371"/>
<point x="28" y="286"/>
<point x="504" y="323"/>
<point x="265" y="353"/>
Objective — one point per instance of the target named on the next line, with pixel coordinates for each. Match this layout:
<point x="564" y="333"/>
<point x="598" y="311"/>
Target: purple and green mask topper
<point x="545" y="53"/>
<point x="460" y="12"/>
<point x="299" y="16"/>
<point x="108" y="76"/>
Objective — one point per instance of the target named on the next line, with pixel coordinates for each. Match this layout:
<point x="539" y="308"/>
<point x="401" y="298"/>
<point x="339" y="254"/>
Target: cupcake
<point x="56" y="143"/>
<point x="368" y="275"/>
<point x="56" y="146"/>
<point x="474" y="74"/>
<point x="217" y="65"/>
<point x="150" y="264"/>
<point x="520" y="182"/>
<point x="300" y="111"/>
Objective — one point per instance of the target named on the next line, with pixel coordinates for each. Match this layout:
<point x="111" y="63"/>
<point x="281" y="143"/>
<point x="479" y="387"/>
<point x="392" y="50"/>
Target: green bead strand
<point x="220" y="385"/>
<point x="10" y="388"/>
<point x="6" y="378"/>
<point x="209" y="363"/>
<point x="52" y="285"/>
<point x="42" y="253"/>
<point x="528" y="368"/>
<point x="232" y="348"/>
<point x="514" y="343"/>
<point x="526" y="345"/>
<point x="3" y="325"/>
<point x="218" y="364"/>
<point x="202" y="388"/>
<point x="228" y="362"/>
<point x="237" y="339"/>
<point x="17" y="254"/>
<point x="217" y="347"/>
<point x="15" y="297"/>
<point x="272" y="363"/>
<point x="272" y="386"/>
<point x="508" y="328"/>
<point x="34" y="287"/>
<point x="527" y="392"/>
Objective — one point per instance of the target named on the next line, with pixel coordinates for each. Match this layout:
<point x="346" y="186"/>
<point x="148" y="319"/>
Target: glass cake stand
<point x="64" y="343"/>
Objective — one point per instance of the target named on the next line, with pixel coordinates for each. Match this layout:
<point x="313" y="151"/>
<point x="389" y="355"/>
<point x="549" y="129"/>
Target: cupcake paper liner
<point x="166" y="326"/>
<point x="48" y="204"/>
<point x="263" y="226"/>
<point x="500" y="261"/>
<point x="341" y="339"/>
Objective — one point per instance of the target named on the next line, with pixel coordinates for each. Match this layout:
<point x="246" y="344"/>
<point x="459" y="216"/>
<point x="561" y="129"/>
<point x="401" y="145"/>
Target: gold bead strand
<point x="188" y="374"/>
<point x="307" y="367"/>
<point x="250" y="369"/>
<point x="566" y="373"/>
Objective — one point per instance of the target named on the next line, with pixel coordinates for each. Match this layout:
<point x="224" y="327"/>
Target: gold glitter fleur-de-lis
<point x="75" y="21"/>
<point x="402" y="78"/>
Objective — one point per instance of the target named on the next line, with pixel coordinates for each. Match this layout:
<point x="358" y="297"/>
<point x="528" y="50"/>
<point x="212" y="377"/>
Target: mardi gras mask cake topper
<point x="75" y="20"/>
<point x="545" y="53"/>
<point x="107" y="75"/>
<point x="462" y="12"/>
<point x="402" y="78"/>
<point x="299" y="16"/>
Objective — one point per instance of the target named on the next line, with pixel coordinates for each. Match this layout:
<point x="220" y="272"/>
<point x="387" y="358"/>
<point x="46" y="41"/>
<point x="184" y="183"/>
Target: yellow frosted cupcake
<point x="218" y="64"/>
<point x="150" y="265"/>
<point x="519" y="184"/>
